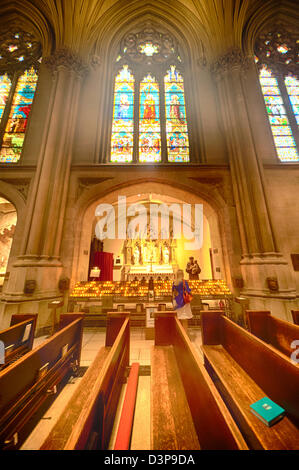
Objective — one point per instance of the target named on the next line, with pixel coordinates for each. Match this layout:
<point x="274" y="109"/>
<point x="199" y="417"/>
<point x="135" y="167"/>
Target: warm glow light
<point x="148" y="49"/>
<point x="283" y="49"/>
<point x="139" y="289"/>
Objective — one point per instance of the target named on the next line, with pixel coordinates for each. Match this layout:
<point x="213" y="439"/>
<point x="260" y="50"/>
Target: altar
<point x="148" y="258"/>
<point x="156" y="272"/>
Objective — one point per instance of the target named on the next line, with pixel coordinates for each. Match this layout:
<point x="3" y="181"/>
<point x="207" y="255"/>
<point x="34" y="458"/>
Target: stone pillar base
<point x="29" y="288"/>
<point x="39" y="306"/>
<point x="268" y="284"/>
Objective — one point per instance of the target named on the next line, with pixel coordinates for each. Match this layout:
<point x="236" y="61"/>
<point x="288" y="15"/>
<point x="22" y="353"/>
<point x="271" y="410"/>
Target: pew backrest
<point x="19" y="336"/>
<point x="95" y="422"/>
<point x="213" y="423"/>
<point x="295" y="315"/>
<point x="272" y="371"/>
<point x="279" y="333"/>
<point x="87" y="419"/>
<point x="30" y="376"/>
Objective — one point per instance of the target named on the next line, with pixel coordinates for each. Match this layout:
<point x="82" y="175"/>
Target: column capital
<point x="233" y="59"/>
<point x="65" y="58"/>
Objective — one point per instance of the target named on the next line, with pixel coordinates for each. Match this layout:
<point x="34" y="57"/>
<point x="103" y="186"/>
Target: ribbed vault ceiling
<point x="208" y="28"/>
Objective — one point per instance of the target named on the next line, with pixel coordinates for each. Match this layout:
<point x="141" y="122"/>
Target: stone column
<point x="261" y="258"/>
<point x="39" y="259"/>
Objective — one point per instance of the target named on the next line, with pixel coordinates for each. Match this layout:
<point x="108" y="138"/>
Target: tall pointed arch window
<point x="149" y="121"/>
<point x="176" y="122"/>
<point x="19" y="62"/>
<point x="276" y="57"/>
<point x="123" y="114"/>
<point x="151" y="97"/>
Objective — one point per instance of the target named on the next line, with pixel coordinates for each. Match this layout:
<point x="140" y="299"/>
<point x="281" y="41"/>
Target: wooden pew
<point x="295" y="315"/>
<point x="245" y="369"/>
<point x="87" y="420"/>
<point x="280" y="334"/>
<point x="187" y="412"/>
<point x="18" y="338"/>
<point x="27" y="384"/>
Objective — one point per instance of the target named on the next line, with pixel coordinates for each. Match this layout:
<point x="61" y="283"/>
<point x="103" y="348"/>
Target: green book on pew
<point x="267" y="411"/>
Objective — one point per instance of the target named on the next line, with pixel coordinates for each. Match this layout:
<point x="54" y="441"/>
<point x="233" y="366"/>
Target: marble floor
<point x="93" y="340"/>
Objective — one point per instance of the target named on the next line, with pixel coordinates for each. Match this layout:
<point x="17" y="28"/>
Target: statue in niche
<point x="165" y="254"/>
<point x="127" y="250"/>
<point x="136" y="255"/>
<point x="173" y="246"/>
<point x="145" y="252"/>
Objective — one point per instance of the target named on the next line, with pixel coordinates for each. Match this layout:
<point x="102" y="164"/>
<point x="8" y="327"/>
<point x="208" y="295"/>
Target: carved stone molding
<point x="85" y="184"/>
<point x="215" y="184"/>
<point x="214" y="181"/>
<point x="202" y="62"/>
<point x="65" y="58"/>
<point x="235" y="58"/>
<point x="23" y="189"/>
<point x="164" y="46"/>
<point x="95" y="61"/>
<point x="21" y="185"/>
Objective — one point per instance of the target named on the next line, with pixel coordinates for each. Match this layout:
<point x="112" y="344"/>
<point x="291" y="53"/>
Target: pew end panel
<point x="279" y="333"/>
<point x="68" y="418"/>
<point x="19" y="318"/>
<point x="211" y="333"/>
<point x="295" y="316"/>
<point x="192" y="414"/>
<point x="257" y="321"/>
<point x="214" y="425"/>
<point x="25" y="384"/>
<point x="93" y="426"/>
<point x="18" y="338"/>
<point x="68" y="318"/>
<point x="115" y="321"/>
<point x="245" y="369"/>
<point x="164" y="327"/>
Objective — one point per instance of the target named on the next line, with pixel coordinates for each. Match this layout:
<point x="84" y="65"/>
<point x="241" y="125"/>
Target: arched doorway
<point x="8" y="221"/>
<point x="210" y="256"/>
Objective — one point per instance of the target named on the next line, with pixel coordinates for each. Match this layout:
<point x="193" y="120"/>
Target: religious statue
<point x="165" y="254"/>
<point x="272" y="283"/>
<point x="193" y="269"/>
<point x="136" y="255"/>
<point x="173" y="246"/>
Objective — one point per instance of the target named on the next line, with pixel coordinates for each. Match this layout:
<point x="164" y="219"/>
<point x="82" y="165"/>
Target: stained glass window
<point x="149" y="123"/>
<point x="292" y="85"/>
<point x="176" y="123"/>
<point x="149" y="113"/>
<point x="5" y="85"/>
<point x="279" y="122"/>
<point x="20" y="56"/>
<point x="149" y="49"/>
<point x="16" y="125"/>
<point x="123" y="117"/>
<point x="276" y="56"/>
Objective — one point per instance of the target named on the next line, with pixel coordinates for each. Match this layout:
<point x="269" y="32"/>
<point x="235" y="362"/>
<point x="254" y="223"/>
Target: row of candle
<point x="141" y="288"/>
